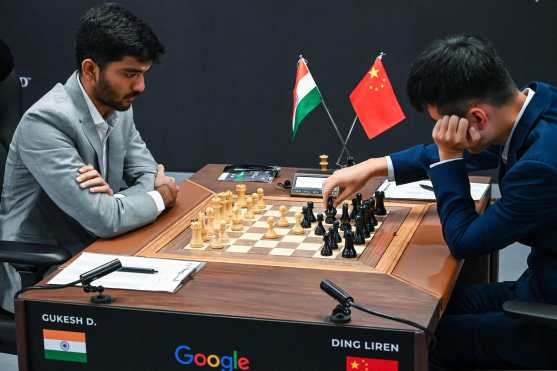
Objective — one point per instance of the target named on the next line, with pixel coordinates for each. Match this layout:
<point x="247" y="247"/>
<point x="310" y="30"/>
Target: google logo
<point x="185" y="356"/>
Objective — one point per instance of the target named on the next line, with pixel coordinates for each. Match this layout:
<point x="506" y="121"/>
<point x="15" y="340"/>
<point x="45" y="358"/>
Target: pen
<point x="425" y="186"/>
<point x="137" y="270"/>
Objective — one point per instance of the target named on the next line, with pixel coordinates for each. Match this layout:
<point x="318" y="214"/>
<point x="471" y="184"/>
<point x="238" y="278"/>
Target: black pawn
<point x="355" y="209"/>
<point x="369" y="219"/>
<point x="319" y="230"/>
<point x="331" y="211"/>
<point x="332" y="240"/>
<point x="311" y="215"/>
<point x="359" y="236"/>
<point x="380" y="203"/>
<point x="364" y="212"/>
<point x="371" y="201"/>
<point x="336" y="233"/>
<point x="305" y="221"/>
<point x="349" y="251"/>
<point x="326" y="250"/>
<point x="345" y="217"/>
<point x="346" y="227"/>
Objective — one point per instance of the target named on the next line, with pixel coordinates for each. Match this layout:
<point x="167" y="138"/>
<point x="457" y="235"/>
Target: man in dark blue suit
<point x="483" y="121"/>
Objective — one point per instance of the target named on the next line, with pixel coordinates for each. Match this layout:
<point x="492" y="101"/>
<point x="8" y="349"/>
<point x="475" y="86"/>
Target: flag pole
<point x="344" y="148"/>
<point x="380" y="56"/>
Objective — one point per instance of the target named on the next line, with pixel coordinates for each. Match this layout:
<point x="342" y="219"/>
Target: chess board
<point x="291" y="250"/>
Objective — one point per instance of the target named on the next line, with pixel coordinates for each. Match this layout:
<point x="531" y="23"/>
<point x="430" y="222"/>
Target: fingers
<point x="475" y="135"/>
<point x="344" y="195"/>
<point x="92" y="182"/>
<point x="89" y="174"/>
<point x="105" y="188"/>
<point x="85" y="168"/>
<point x="328" y="187"/>
<point x="461" y="132"/>
<point x="160" y="170"/>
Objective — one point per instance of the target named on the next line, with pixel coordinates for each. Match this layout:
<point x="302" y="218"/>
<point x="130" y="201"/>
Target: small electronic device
<point x="308" y="183"/>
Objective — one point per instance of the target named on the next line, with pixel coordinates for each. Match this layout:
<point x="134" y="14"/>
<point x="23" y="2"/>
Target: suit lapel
<point x="89" y="129"/>
<point x="529" y="119"/>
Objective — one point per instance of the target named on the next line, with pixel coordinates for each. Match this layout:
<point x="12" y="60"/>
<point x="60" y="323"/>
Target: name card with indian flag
<point x="65" y="346"/>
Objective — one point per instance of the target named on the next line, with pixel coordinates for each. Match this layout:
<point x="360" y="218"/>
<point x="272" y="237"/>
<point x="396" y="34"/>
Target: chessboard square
<point x="266" y="243"/>
<point x="240" y="249"/>
<point x="252" y="236"/>
<point x="282" y="231"/>
<point x="274" y="213"/>
<point x="281" y="251"/>
<point x="303" y="253"/>
<point x="310" y="246"/>
<point x="291" y="219"/>
<point x="243" y="242"/>
<point x="260" y="224"/>
<point x="293" y="238"/>
<point x="259" y="250"/>
<point x="360" y="249"/>
<point x="316" y="239"/>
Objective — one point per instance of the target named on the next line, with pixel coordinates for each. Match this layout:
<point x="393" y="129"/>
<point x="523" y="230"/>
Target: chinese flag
<point x="375" y="102"/>
<point x="370" y="364"/>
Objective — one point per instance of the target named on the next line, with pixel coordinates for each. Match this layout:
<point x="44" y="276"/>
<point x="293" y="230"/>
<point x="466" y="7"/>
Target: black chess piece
<point x="346" y="227"/>
<point x="355" y="209"/>
<point x="331" y="211"/>
<point x="319" y="230"/>
<point x="332" y="240"/>
<point x="380" y="203"/>
<point x="305" y="221"/>
<point x="336" y="233"/>
<point x="349" y="251"/>
<point x="359" y="198"/>
<point x="359" y="236"/>
<point x="311" y="215"/>
<point x="326" y="249"/>
<point x="345" y="217"/>
<point x="364" y="212"/>
<point x="370" y="218"/>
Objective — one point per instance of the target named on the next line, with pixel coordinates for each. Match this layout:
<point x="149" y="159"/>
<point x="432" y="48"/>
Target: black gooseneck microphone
<point x="342" y="313"/>
<point x="85" y="279"/>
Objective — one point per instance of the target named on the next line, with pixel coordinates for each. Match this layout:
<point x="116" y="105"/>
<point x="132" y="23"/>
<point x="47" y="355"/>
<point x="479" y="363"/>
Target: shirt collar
<point x="95" y="114"/>
<point x="529" y="95"/>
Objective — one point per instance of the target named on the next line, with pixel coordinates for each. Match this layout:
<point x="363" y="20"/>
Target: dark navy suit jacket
<point x="527" y="210"/>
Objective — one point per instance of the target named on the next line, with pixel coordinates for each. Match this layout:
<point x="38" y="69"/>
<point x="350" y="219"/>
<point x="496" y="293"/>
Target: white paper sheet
<point x="170" y="273"/>
<point x="413" y="191"/>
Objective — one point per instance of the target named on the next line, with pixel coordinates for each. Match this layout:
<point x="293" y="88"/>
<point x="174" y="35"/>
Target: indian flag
<point x="306" y="95"/>
<point x="65" y="346"/>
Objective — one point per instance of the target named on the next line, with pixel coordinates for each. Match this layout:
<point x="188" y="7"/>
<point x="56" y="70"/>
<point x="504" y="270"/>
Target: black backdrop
<point x="224" y="91"/>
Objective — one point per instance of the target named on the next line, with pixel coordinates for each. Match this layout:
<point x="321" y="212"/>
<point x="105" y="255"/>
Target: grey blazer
<point x="41" y="200"/>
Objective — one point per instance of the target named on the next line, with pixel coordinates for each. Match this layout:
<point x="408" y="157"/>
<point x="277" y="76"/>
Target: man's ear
<point x="477" y="116"/>
<point x="89" y="69"/>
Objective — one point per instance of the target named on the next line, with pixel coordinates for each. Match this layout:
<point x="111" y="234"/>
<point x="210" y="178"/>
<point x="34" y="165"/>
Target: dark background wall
<point x="224" y="90"/>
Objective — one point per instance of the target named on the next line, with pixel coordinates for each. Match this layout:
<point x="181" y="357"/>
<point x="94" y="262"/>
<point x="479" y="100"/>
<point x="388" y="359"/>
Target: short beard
<point x="107" y="95"/>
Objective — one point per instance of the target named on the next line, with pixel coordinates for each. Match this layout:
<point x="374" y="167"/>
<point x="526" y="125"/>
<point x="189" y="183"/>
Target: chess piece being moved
<point x="196" y="236"/>
<point x="369" y="219"/>
<point x="380" y="203"/>
<point x="305" y="222"/>
<point x="270" y="234"/>
<point x="241" y="191"/>
<point x="298" y="229"/>
<point x="283" y="222"/>
<point x="320" y="229"/>
<point x="260" y="200"/>
<point x="331" y="211"/>
<point x="359" y="235"/>
<point x="364" y="212"/>
<point x="311" y="215"/>
<point x="349" y="251"/>
<point x="326" y="250"/>
<point x="355" y="209"/>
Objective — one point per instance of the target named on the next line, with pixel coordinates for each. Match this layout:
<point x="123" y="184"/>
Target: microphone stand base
<point x="341" y="314"/>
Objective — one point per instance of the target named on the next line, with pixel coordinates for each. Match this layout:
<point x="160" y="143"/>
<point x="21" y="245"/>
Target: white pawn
<point x="249" y="212"/>
<point x="237" y="224"/>
<point x="298" y="229"/>
<point x="260" y="201"/>
<point x="255" y="208"/>
<point x="283" y="222"/>
<point x="241" y="191"/>
<point x="270" y="234"/>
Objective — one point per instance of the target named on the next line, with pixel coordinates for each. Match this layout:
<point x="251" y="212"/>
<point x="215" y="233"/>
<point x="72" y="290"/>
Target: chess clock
<point x="309" y="183"/>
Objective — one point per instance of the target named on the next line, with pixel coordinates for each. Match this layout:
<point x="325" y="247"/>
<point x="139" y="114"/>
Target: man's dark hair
<point x="109" y="32"/>
<point x="457" y="71"/>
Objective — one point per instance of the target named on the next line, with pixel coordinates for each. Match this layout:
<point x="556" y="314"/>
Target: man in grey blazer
<point x="77" y="168"/>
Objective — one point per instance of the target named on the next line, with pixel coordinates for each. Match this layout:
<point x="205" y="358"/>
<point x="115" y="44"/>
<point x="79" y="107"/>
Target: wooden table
<point x="264" y="313"/>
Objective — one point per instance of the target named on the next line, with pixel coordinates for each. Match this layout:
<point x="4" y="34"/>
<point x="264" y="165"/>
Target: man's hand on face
<point x="166" y="186"/>
<point x="90" y="178"/>
<point x="453" y="135"/>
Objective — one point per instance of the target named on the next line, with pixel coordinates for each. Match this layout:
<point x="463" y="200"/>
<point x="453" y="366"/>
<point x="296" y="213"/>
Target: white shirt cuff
<point x="158" y="201"/>
<point x="119" y="195"/>
<point x="444" y="161"/>
<point x="390" y="169"/>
